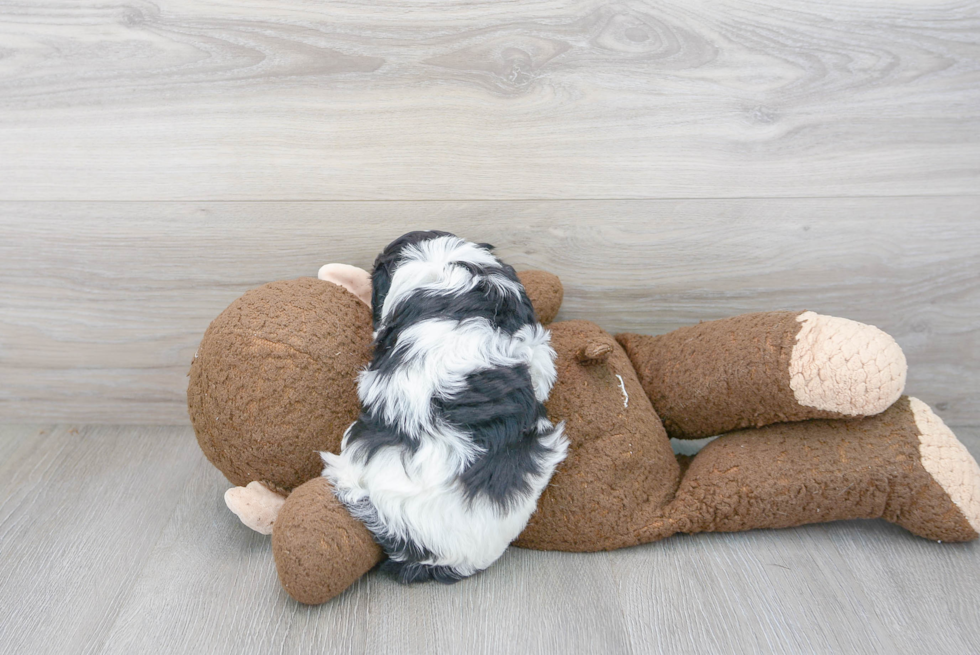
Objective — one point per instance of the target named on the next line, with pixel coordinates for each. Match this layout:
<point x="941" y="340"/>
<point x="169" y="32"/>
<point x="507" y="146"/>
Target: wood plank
<point x="80" y="510"/>
<point x="765" y="591"/>
<point x="116" y="540"/>
<point x="924" y="594"/>
<point x="286" y="100"/>
<point x="527" y="602"/>
<point x="14" y="436"/>
<point x="102" y="305"/>
<point x="211" y="587"/>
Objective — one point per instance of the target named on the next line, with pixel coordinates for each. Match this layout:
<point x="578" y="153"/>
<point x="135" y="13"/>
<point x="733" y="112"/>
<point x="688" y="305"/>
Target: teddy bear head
<point x="274" y="381"/>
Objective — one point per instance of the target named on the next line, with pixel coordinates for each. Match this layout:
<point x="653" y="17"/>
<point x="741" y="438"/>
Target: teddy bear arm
<point x="545" y="291"/>
<point x="757" y="369"/>
<point x="903" y="465"/>
<point x="319" y="548"/>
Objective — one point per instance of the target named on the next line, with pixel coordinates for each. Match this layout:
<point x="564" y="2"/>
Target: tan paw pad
<point x="948" y="462"/>
<point x="255" y="505"/>
<point x="843" y="366"/>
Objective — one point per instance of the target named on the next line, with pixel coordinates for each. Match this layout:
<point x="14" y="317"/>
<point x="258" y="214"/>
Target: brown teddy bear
<point x="815" y="428"/>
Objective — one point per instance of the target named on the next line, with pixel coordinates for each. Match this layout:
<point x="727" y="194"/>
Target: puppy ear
<point x="381" y="283"/>
<point x="354" y="279"/>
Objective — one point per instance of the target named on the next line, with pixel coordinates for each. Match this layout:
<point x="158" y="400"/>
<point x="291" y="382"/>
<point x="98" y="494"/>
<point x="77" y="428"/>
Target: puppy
<point x="453" y="448"/>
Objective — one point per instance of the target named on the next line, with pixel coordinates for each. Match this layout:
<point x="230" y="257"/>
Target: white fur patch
<point x="439" y="354"/>
<point x="419" y="499"/>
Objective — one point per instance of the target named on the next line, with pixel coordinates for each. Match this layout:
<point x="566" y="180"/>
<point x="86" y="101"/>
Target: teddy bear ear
<point x="545" y="291"/>
<point x="354" y="279"/>
<point x="594" y="351"/>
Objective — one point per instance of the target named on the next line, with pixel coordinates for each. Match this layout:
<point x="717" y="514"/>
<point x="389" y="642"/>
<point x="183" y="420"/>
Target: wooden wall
<point x="673" y="161"/>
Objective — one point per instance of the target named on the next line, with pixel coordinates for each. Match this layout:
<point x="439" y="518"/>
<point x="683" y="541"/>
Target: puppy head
<point x="387" y="262"/>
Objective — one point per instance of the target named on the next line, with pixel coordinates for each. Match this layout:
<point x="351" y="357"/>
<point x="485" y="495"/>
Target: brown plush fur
<point x="274" y="380"/>
<point x="723" y="375"/>
<point x="620" y="463"/>
<point x="545" y="291"/>
<point x="813" y="471"/>
<point x="320" y="549"/>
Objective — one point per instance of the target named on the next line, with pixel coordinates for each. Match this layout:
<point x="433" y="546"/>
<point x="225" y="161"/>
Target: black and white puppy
<point x="453" y="448"/>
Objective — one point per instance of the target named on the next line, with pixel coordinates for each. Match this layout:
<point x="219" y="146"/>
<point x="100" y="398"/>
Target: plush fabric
<point x="320" y="549"/>
<point x="274" y="380"/>
<point x="545" y="291"/>
<point x="756" y="369"/>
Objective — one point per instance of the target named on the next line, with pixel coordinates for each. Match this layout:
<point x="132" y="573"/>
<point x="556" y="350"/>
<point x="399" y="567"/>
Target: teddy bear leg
<point x="950" y="490"/>
<point x="319" y="548"/>
<point x="903" y="465"/>
<point x="757" y="369"/>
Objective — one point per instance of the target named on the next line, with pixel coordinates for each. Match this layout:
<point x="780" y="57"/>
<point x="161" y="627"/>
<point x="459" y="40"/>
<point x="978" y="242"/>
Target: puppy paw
<point x="255" y="505"/>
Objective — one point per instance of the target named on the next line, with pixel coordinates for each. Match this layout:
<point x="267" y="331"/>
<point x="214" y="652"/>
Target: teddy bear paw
<point x="255" y="505"/>
<point x="843" y="366"/>
<point x="949" y="463"/>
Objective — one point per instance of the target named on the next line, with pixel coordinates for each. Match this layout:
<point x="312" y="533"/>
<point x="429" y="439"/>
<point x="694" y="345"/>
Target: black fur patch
<point x="408" y="572"/>
<point x="372" y="434"/>
<point x="504" y="310"/>
<point x="384" y="266"/>
<point x="498" y="410"/>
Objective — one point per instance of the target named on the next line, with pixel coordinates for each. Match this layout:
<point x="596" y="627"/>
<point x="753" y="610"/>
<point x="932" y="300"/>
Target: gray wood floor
<point x="116" y="540"/>
<point x="671" y="161"/>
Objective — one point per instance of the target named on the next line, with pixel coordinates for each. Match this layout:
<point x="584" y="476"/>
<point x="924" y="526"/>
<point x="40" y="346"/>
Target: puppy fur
<point x="453" y="448"/>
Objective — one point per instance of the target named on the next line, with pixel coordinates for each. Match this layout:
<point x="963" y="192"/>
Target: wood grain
<point x="918" y="583"/>
<point x="211" y="586"/>
<point x="116" y="540"/>
<point x="102" y="305"/>
<point x="754" y="592"/>
<point x="80" y="510"/>
<point x="288" y="100"/>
